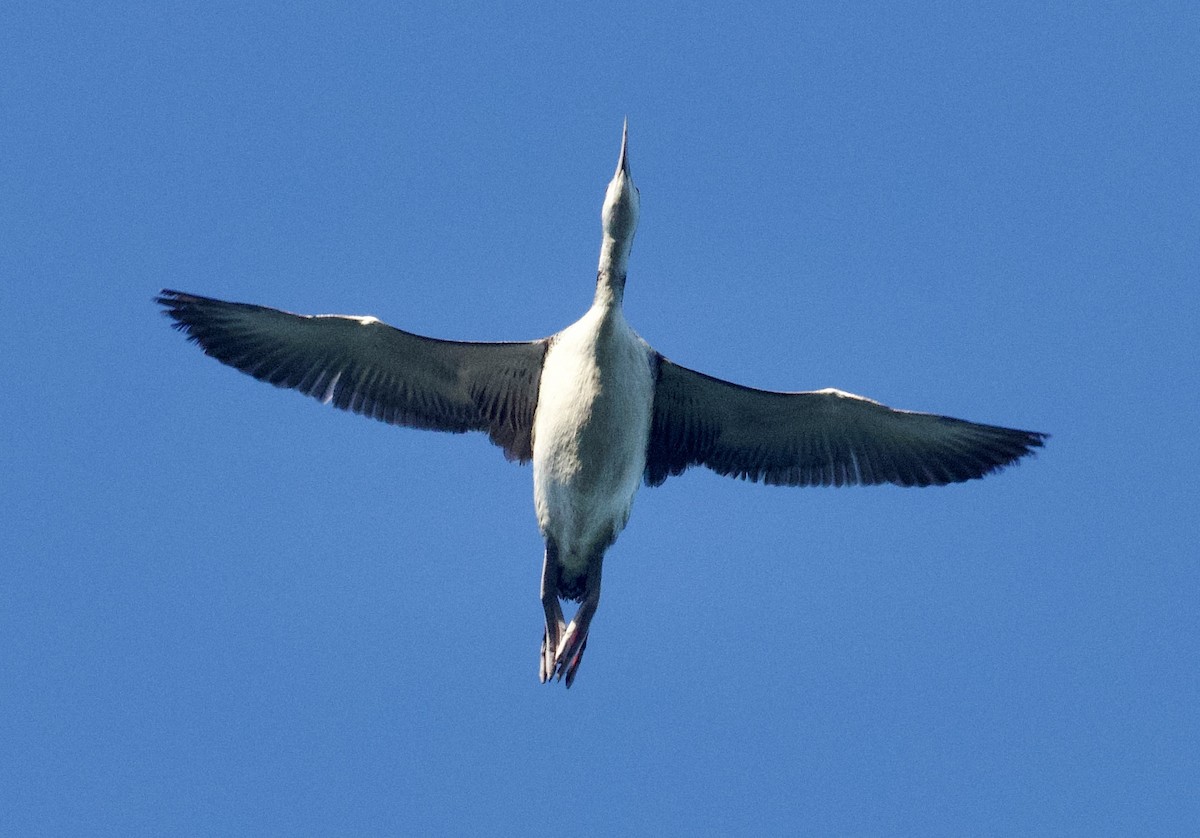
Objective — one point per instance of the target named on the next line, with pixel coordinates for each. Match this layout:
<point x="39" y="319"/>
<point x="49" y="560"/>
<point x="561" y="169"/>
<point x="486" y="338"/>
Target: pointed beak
<point x="623" y="161"/>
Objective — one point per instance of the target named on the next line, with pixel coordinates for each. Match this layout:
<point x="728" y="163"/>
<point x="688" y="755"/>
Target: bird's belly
<point x="589" y="452"/>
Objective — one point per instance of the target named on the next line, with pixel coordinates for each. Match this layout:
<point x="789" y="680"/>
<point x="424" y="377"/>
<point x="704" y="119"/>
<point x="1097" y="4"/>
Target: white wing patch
<point x="333" y="382"/>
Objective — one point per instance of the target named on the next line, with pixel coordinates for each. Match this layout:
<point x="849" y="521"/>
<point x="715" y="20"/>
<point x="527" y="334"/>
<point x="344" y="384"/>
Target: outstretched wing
<point x="820" y="438"/>
<point x="365" y="366"/>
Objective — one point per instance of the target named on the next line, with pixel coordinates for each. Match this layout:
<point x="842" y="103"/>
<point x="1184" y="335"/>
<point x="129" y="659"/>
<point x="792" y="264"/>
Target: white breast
<point x="590" y="432"/>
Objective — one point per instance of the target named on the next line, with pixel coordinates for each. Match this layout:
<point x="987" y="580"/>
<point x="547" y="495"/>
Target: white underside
<point x="590" y="433"/>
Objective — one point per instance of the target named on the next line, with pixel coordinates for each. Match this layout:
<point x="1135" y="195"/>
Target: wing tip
<point x="179" y="307"/>
<point x="169" y="298"/>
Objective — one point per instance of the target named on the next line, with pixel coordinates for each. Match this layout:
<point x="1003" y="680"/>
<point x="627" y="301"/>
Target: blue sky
<point x="226" y="609"/>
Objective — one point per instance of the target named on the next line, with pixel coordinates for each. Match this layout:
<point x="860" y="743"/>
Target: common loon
<point x="597" y="410"/>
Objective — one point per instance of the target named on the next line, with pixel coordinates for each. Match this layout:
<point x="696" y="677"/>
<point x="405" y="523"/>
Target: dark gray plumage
<point x="818" y="438"/>
<point x="365" y="366"/>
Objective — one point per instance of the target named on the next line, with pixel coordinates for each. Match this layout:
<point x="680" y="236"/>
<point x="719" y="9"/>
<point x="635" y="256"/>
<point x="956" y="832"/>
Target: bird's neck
<point x="610" y="276"/>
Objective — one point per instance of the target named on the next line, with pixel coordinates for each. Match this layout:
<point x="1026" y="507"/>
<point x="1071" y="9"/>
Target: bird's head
<point x="622" y="204"/>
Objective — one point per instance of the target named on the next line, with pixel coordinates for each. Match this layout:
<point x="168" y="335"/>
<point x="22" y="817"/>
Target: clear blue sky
<point x="227" y="609"/>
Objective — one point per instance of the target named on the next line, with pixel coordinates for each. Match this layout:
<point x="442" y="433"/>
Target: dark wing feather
<point x="819" y="438"/>
<point x="365" y="366"/>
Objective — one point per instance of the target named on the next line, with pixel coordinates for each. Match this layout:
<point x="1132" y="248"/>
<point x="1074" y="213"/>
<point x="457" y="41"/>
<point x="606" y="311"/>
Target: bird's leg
<point x="574" y="641"/>
<point x="554" y="615"/>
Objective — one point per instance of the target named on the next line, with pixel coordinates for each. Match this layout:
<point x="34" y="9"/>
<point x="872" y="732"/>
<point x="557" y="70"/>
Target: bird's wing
<point x="820" y="438"/>
<point x="363" y="365"/>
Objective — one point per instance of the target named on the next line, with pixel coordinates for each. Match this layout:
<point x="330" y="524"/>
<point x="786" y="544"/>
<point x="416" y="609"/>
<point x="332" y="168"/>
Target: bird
<point x="597" y="411"/>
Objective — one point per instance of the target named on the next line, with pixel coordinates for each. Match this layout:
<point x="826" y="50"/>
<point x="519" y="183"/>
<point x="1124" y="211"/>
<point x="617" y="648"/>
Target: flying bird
<point x="597" y="410"/>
